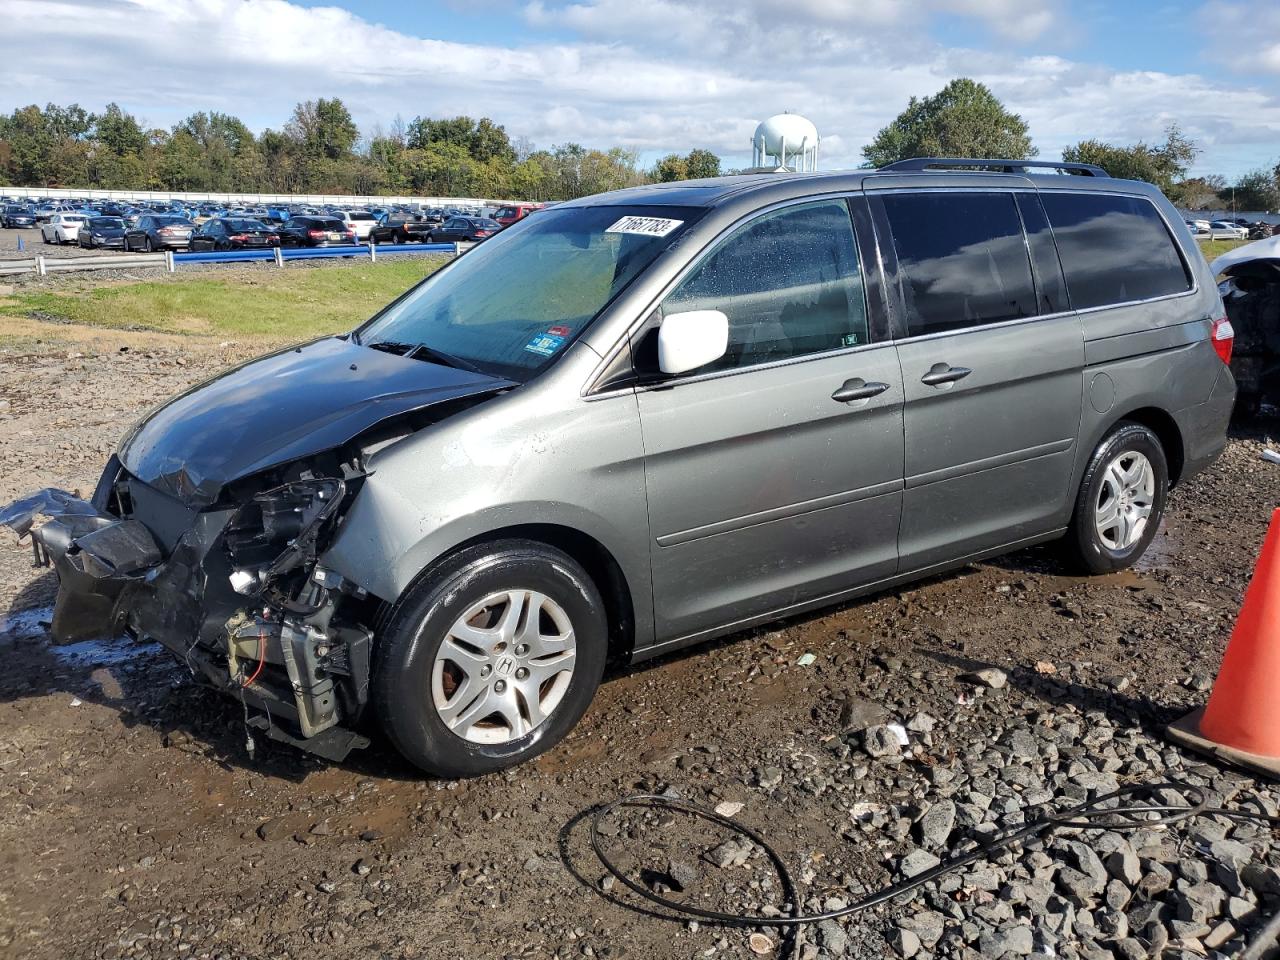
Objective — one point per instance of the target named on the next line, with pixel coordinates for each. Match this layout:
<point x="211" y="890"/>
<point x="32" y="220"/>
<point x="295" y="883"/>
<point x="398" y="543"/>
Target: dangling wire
<point x="1092" y="815"/>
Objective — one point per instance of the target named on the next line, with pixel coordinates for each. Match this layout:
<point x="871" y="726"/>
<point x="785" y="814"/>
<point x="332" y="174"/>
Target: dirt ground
<point x="134" y="823"/>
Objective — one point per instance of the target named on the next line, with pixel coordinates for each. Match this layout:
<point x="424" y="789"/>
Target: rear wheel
<point x="146" y="243"/>
<point x="491" y="659"/>
<point x="1121" y="500"/>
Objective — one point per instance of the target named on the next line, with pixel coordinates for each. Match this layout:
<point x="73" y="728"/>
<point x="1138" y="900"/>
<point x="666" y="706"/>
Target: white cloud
<point x="653" y="75"/>
<point x="1244" y="35"/>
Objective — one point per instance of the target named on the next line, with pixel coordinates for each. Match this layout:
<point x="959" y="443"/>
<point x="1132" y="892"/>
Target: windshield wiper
<point x="447" y="359"/>
<point x="392" y="346"/>
<point x="421" y="351"/>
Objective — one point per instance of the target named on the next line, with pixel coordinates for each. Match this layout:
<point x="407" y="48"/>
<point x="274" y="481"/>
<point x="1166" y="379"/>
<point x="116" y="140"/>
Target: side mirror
<point x="692" y="339"/>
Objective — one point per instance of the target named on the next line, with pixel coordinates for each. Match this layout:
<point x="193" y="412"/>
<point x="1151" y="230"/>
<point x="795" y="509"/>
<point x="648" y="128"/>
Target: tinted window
<point x="963" y="259"/>
<point x="789" y="282"/>
<point x="1114" y="249"/>
<point x="163" y="221"/>
<point x="106" y="223"/>
<point x="246" y="225"/>
<point x="1044" y="255"/>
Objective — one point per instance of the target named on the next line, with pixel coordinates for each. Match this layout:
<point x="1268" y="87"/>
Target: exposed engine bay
<point x="217" y="555"/>
<point x="235" y="592"/>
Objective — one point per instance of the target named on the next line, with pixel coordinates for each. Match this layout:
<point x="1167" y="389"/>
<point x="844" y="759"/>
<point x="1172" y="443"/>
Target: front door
<point x="992" y="365"/>
<point x="774" y="475"/>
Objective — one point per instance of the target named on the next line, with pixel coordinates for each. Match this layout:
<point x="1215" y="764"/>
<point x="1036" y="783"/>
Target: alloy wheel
<point x="1125" y="500"/>
<point x="504" y="667"/>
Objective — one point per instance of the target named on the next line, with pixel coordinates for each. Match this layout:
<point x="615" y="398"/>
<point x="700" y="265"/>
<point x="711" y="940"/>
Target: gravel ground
<point x="134" y="824"/>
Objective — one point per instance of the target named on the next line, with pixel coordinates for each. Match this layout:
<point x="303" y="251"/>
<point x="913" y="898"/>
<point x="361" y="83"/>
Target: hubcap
<point x="1125" y="501"/>
<point x="504" y="667"/>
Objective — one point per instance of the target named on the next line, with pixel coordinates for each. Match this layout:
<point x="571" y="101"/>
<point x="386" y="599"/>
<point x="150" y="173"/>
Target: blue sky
<point x="668" y="75"/>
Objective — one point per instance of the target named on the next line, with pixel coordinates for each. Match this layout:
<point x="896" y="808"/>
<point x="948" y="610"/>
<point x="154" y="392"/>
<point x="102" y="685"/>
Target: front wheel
<point x="1121" y="500"/>
<point x="491" y="659"/>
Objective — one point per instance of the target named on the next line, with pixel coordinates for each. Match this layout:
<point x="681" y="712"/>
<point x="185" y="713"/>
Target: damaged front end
<point x="208" y="529"/>
<point x="235" y="590"/>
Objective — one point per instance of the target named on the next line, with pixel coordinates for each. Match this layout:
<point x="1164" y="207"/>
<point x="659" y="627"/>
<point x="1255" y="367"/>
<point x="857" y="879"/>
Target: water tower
<point x="789" y="141"/>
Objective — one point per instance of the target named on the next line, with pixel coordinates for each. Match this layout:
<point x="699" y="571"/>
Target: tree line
<point x="965" y="119"/>
<point x="319" y="149"/>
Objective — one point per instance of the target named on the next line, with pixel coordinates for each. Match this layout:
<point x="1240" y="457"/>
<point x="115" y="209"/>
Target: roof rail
<point x="1003" y="166"/>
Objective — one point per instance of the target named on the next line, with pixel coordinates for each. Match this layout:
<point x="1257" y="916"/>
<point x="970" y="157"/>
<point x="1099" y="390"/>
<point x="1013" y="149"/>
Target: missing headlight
<point x="280" y="530"/>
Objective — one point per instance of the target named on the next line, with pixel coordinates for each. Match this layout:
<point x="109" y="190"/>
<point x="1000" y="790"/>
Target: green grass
<point x="289" y="304"/>
<point x="1212" y="249"/>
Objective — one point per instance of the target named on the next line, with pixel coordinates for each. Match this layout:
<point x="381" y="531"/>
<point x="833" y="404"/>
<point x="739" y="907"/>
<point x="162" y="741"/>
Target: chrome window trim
<point x="643" y="315"/>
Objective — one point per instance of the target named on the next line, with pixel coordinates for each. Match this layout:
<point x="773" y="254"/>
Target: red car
<point x="515" y="211"/>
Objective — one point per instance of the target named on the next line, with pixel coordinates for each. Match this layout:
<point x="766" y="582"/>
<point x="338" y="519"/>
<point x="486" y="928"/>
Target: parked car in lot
<point x="102" y="232"/>
<point x="359" y="222"/>
<point x="62" y="227"/>
<point x="229" y="233"/>
<point x="724" y="405"/>
<point x="315" y="231"/>
<point x="14" y="217"/>
<point x="401" y="228"/>
<point x="464" y="229"/>
<point x="1224" y="230"/>
<point x="159" y="231"/>
<point x="513" y="212"/>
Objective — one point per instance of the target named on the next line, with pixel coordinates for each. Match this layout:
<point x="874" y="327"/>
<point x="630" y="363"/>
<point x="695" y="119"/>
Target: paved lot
<point x="134" y="824"/>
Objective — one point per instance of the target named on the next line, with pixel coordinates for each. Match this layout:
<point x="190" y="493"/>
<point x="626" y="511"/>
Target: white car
<point x="1221" y="230"/>
<point x="62" y="228"/>
<point x="360" y="222"/>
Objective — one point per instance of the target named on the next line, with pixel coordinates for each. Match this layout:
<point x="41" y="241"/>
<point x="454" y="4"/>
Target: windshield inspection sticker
<point x="545" y="344"/>
<point x="646" y="226"/>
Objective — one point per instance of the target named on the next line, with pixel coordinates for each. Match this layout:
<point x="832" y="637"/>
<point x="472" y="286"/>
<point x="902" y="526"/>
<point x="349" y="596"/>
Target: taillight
<point x="1224" y="335"/>
<point x="240" y="237"/>
<point x="316" y="234"/>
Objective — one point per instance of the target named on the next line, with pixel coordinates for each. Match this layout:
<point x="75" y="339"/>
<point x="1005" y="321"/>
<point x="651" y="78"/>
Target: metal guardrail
<point x="42" y="266"/>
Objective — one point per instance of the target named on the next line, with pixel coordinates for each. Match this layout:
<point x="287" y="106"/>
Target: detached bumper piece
<point x="97" y="557"/>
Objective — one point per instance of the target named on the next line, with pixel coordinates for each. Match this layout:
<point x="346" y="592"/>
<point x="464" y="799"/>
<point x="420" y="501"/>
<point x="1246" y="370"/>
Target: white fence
<point x="43" y="266"/>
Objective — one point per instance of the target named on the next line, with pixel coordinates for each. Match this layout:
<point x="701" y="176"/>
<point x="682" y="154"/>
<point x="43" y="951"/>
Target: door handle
<point x="943" y="373"/>
<point x="858" y="389"/>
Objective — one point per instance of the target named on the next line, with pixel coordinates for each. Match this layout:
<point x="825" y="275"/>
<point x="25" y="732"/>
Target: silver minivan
<point x="647" y="418"/>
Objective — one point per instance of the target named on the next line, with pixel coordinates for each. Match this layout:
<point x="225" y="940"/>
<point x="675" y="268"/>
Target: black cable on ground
<point x="1141" y="812"/>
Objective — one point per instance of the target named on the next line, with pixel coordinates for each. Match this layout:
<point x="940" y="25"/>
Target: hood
<point x="282" y="407"/>
<point x="1229" y="263"/>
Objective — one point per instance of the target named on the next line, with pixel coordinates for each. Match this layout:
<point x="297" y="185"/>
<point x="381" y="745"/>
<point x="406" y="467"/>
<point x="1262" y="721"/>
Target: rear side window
<point x="789" y="282"/>
<point x="1114" y="249"/>
<point x="963" y="260"/>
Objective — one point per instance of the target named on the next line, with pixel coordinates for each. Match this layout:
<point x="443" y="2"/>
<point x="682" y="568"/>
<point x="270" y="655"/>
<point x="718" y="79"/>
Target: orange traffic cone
<point x="1241" y="722"/>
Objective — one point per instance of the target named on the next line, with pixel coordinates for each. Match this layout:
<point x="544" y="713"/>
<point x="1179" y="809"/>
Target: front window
<point x="514" y="303"/>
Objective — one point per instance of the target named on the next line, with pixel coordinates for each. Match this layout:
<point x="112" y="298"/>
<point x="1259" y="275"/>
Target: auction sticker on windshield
<point x="646" y="226"/>
<point x="545" y="344"/>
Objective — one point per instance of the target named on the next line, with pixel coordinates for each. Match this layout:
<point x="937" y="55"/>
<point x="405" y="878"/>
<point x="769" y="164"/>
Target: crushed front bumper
<point x="162" y="574"/>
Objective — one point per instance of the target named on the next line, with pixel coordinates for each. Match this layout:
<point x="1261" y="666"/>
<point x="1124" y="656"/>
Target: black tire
<point x="395" y="238"/>
<point x="420" y="622"/>
<point x="1085" y="547"/>
<point x="146" y="243"/>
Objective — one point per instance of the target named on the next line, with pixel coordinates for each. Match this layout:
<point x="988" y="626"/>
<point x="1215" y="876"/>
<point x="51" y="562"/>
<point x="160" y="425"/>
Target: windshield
<point x="106" y="223"/>
<point x="245" y="225"/>
<point x="511" y="305"/>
